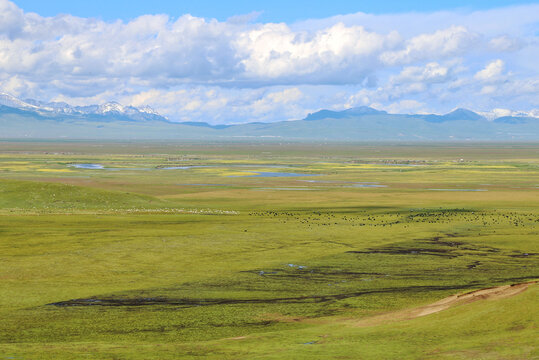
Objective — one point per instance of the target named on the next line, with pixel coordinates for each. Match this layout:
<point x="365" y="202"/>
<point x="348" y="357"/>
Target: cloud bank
<point x="198" y="69"/>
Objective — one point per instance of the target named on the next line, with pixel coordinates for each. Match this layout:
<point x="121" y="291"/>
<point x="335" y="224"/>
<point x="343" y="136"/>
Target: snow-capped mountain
<point x="30" y="119"/>
<point x="61" y="108"/>
<point x="500" y="113"/>
<point x="12" y="101"/>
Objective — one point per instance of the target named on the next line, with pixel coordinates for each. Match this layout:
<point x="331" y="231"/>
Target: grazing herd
<point x="441" y="216"/>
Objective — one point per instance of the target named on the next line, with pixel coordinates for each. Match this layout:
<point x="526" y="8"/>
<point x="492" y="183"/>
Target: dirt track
<point x="493" y="293"/>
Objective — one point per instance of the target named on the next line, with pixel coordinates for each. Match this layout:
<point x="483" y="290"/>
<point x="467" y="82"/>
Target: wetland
<point x="232" y="251"/>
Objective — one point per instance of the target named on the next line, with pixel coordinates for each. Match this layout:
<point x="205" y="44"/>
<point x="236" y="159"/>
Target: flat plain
<point x="268" y="250"/>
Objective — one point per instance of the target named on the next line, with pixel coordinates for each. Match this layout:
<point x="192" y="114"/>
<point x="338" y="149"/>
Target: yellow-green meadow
<point x="266" y="251"/>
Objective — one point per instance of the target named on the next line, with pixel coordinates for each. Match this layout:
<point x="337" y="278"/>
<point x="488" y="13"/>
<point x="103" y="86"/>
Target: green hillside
<point x="30" y="195"/>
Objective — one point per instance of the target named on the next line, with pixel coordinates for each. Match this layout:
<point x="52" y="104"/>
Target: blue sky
<point x="271" y="11"/>
<point x="219" y="62"/>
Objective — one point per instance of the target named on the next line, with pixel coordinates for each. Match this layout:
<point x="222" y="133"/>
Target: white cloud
<point x="452" y="41"/>
<point x="216" y="104"/>
<point x="489" y="89"/>
<point x="204" y="69"/>
<point x="286" y="96"/>
<point x="430" y="73"/>
<point x="498" y="112"/>
<point x="16" y="86"/>
<point x="337" y="54"/>
<point x="11" y="19"/>
<point x="505" y="43"/>
<point x="492" y="72"/>
<point x="514" y="21"/>
<point x="406" y="107"/>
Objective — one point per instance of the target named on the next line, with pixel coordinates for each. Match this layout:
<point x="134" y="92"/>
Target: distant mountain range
<point x="30" y="119"/>
<point x="61" y="109"/>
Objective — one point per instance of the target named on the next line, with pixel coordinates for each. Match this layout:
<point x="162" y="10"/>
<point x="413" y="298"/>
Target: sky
<point x="242" y="61"/>
<point x="270" y="11"/>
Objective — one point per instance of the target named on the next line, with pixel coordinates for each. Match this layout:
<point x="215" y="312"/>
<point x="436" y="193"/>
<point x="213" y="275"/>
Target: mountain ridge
<point x="114" y="107"/>
<point x="34" y="120"/>
<point x="62" y="108"/>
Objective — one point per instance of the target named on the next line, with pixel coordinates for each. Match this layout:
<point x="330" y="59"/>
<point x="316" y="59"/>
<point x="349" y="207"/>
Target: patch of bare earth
<point x="494" y="293"/>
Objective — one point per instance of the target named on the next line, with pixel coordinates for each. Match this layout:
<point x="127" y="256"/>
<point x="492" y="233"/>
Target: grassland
<point x="189" y="251"/>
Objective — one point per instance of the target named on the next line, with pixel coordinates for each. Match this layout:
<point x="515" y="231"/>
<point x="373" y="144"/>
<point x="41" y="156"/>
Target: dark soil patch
<point x="394" y="250"/>
<point x="148" y="301"/>
<point x="523" y="255"/>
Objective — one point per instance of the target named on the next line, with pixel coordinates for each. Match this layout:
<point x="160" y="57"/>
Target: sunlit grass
<point x="199" y="265"/>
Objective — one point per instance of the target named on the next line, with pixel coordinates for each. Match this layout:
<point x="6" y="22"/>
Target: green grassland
<point x="191" y="251"/>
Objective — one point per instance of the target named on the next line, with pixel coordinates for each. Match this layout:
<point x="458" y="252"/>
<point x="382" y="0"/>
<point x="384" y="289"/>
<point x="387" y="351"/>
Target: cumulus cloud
<point x="224" y="105"/>
<point x="11" y="19"/>
<point x="492" y="72"/>
<point x="338" y="54"/>
<point x="237" y="70"/>
<point x="430" y="73"/>
<point x="452" y="41"/>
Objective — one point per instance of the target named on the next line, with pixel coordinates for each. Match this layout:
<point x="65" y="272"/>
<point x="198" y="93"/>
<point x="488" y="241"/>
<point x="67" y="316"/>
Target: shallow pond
<point x="102" y="167"/>
<point x="285" y="189"/>
<point x="203" y="184"/>
<point x="88" y="166"/>
<point x="175" y="168"/>
<point x="348" y="184"/>
<point x="273" y="174"/>
<point x="457" y="189"/>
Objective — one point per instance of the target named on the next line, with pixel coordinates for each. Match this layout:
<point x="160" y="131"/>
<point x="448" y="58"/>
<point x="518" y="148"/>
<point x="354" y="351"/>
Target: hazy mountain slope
<point x="33" y="120"/>
<point x="392" y="127"/>
<point x="23" y="125"/>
